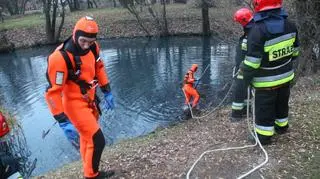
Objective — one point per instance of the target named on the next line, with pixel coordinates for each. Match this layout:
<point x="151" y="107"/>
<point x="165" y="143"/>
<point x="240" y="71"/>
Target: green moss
<point x="20" y="22"/>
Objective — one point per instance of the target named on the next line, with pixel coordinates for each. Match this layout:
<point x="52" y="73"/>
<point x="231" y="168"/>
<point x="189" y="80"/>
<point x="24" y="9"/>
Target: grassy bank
<point x="170" y="152"/>
<point x="29" y="31"/>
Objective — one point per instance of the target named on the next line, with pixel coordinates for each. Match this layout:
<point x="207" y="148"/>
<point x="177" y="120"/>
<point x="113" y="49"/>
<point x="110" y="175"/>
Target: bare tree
<point x="147" y="5"/>
<point x="73" y="5"/>
<point x="164" y="18"/>
<point x="90" y="4"/>
<point x="50" y="8"/>
<point x="131" y="6"/>
<point x="308" y="17"/>
<point x="248" y="3"/>
<point x="205" y="17"/>
<point x="1" y="16"/>
<point x="114" y="3"/>
<point x="14" y="6"/>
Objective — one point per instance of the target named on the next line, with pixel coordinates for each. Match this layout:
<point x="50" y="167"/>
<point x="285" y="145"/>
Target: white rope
<point x="241" y="147"/>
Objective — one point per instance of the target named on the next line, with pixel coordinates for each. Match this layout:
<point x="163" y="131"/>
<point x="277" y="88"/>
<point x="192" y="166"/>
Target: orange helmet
<point x="262" y="5"/>
<point x="194" y="67"/>
<point x="243" y="16"/>
<point x="86" y="27"/>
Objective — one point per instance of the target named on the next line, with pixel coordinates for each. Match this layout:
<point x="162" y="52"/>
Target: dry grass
<point x="170" y="152"/>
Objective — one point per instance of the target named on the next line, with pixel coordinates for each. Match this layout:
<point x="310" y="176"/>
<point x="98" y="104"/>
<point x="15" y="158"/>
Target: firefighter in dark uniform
<point x="243" y="16"/>
<point x="268" y="67"/>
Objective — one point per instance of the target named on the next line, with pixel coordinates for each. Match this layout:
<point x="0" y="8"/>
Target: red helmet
<point x="262" y="5"/>
<point x="243" y="16"/>
<point x="4" y="128"/>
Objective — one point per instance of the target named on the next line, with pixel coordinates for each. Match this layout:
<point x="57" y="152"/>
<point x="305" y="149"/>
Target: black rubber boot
<point x="281" y="130"/>
<point x="236" y="115"/>
<point x="264" y="140"/>
<point x="103" y="174"/>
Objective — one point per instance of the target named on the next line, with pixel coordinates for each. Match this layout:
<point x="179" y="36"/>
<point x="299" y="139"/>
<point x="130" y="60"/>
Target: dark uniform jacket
<point x="272" y="45"/>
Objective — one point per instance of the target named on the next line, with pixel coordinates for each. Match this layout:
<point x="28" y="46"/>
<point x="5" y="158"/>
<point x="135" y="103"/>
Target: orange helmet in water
<point x="243" y="16"/>
<point x="262" y="5"/>
<point x="194" y="67"/>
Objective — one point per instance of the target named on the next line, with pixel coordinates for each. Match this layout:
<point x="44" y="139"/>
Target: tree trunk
<point x="165" y="30"/>
<point x="73" y="5"/>
<point x="62" y="20"/>
<point x="309" y="35"/>
<point x="114" y="3"/>
<point x="48" y="6"/>
<point x="46" y="9"/>
<point x="54" y="18"/>
<point x="90" y="5"/>
<point x="1" y="17"/>
<point x="205" y="18"/>
<point x="95" y="4"/>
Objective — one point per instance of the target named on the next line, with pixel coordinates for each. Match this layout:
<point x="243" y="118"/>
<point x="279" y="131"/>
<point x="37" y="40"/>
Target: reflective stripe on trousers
<point x="265" y="130"/>
<point x="237" y="106"/>
<point x="282" y="122"/>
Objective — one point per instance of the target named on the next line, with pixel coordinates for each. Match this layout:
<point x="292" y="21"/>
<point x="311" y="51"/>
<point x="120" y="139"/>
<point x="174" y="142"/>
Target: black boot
<point x="103" y="174"/>
<point x="236" y="115"/>
<point x="264" y="140"/>
<point x="281" y="130"/>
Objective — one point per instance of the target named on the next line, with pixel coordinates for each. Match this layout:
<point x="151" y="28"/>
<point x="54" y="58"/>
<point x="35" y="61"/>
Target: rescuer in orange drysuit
<point x="189" y="88"/>
<point x="74" y="71"/>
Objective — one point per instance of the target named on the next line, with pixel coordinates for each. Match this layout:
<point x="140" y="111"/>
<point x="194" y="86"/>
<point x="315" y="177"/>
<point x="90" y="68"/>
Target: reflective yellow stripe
<point x="280" y="39"/>
<point x="240" y="77"/>
<point x="244" y="45"/>
<point x="252" y="62"/>
<point x="261" y="84"/>
<point x="280" y="50"/>
<point x="265" y="133"/>
<point x="263" y="130"/>
<point x="281" y="122"/>
<point x="280" y="47"/>
<point x="237" y="106"/>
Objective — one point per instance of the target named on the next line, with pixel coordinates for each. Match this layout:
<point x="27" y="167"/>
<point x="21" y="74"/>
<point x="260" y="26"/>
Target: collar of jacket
<point x="276" y="13"/>
<point x="248" y="26"/>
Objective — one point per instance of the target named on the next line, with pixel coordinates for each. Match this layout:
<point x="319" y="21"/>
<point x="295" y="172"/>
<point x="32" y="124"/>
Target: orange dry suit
<point x="72" y="92"/>
<point x="188" y="88"/>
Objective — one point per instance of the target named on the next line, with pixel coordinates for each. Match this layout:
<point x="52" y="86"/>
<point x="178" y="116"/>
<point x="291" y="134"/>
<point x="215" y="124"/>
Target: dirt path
<point x="170" y="152"/>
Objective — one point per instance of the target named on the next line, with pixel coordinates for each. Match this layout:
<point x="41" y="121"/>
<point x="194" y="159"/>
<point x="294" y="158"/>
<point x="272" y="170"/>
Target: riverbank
<point x="29" y="31"/>
<point x="170" y="152"/>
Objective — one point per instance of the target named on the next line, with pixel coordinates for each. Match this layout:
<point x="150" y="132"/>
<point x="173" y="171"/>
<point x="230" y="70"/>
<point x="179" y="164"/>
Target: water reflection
<point x="145" y="79"/>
